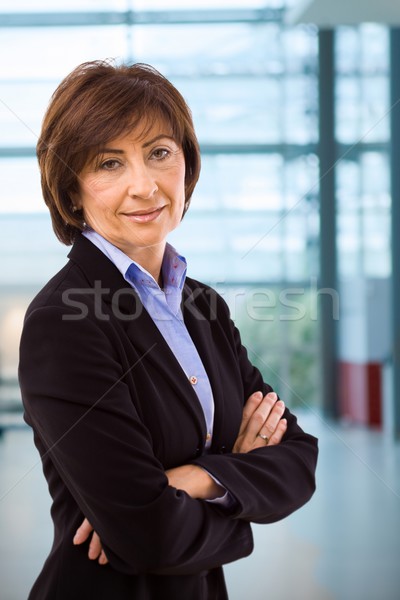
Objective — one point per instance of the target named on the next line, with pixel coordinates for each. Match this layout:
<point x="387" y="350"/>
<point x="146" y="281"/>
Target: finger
<point x="273" y="419"/>
<point x="260" y="416"/>
<point x="95" y="547"/>
<point x="103" y="560"/>
<point x="251" y="405"/>
<point x="278" y="434"/>
<point x="248" y="440"/>
<point x="83" y="532"/>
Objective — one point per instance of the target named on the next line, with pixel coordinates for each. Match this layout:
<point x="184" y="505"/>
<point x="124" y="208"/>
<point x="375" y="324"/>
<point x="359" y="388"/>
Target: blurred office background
<point x="297" y="109"/>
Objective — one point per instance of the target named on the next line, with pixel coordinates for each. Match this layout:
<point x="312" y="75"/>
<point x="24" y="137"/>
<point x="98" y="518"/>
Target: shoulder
<point x="201" y="297"/>
<point x="51" y="294"/>
<point x="199" y="288"/>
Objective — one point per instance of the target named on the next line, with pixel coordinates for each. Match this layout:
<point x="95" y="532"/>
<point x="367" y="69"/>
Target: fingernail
<point x="258" y="395"/>
<point x="76" y="538"/>
<point x="272" y="395"/>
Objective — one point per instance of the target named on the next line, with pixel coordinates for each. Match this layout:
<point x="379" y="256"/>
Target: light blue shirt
<point x="164" y="307"/>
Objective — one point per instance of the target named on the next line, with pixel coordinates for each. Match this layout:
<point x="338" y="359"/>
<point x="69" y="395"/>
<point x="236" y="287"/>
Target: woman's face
<point x="133" y="191"/>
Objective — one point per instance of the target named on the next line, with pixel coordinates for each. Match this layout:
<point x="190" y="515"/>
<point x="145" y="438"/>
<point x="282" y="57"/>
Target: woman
<point x="152" y="425"/>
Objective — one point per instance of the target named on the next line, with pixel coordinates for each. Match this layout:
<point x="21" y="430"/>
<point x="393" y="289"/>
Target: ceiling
<point x="328" y="13"/>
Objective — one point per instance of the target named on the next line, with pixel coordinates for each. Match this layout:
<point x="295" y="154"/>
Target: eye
<point x="110" y="164"/>
<point x="160" y="153"/>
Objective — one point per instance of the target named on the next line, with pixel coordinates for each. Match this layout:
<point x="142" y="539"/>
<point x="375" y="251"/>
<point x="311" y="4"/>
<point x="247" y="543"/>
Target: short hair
<point x="97" y="102"/>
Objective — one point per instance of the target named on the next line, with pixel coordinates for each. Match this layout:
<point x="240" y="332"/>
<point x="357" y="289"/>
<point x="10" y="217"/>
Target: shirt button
<point x="193" y="380"/>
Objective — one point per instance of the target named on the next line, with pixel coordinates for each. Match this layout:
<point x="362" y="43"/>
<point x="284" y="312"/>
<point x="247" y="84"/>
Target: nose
<point x="141" y="182"/>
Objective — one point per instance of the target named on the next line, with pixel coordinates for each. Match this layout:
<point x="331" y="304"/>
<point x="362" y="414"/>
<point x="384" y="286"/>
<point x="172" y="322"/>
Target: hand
<point x="261" y="415"/>
<point x="95" y="547"/>
<point x="195" y="481"/>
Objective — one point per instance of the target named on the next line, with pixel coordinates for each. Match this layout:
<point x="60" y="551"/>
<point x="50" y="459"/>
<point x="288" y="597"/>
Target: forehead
<point x="144" y="130"/>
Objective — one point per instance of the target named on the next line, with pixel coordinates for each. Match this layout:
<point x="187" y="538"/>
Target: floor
<point x="343" y="545"/>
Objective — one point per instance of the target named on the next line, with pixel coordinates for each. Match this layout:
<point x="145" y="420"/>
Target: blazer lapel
<point x="196" y="309"/>
<point x="146" y="337"/>
<point x="127" y="308"/>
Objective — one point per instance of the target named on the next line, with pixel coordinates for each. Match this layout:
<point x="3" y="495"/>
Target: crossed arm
<point x="261" y="415"/>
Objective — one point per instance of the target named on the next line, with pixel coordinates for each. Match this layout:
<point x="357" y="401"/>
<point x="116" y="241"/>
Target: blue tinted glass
<point x="29" y="6"/>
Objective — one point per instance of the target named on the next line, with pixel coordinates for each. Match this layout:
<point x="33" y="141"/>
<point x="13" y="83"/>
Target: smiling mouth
<point x="144" y="216"/>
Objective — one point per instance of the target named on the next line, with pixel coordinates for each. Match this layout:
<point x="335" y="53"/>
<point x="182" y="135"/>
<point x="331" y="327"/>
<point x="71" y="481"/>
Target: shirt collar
<point x="173" y="268"/>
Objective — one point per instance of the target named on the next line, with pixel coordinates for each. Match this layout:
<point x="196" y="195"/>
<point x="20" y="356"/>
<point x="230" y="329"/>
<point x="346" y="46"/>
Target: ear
<point x="75" y="201"/>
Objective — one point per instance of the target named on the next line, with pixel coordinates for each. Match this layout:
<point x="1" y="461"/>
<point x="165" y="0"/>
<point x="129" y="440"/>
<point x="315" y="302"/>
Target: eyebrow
<point x="158" y="137"/>
<point x="149" y="143"/>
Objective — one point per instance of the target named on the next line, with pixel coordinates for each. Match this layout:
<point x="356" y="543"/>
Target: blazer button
<point x="197" y="452"/>
<point x="222" y="450"/>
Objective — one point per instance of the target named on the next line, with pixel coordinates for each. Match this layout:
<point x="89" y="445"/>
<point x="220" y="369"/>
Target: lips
<point x="144" y="216"/>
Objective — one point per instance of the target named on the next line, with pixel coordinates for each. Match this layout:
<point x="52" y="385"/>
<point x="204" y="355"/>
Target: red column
<point x="360" y="389"/>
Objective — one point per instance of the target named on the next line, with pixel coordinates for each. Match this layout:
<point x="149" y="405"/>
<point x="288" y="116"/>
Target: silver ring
<point x="263" y="437"/>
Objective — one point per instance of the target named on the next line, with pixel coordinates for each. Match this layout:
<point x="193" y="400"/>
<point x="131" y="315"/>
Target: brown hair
<point x="94" y="104"/>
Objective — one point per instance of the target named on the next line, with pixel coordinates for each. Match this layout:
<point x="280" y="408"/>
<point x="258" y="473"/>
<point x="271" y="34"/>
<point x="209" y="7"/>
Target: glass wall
<point x="252" y="230"/>
<point x="363" y="134"/>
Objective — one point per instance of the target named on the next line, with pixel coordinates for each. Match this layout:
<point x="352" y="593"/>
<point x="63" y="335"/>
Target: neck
<point x="150" y="258"/>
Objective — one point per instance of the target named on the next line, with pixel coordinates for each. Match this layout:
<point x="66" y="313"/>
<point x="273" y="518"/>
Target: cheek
<point x="178" y="176"/>
<point x="98" y="197"/>
<point x="98" y="185"/>
<point x="182" y="186"/>
<point x="174" y="187"/>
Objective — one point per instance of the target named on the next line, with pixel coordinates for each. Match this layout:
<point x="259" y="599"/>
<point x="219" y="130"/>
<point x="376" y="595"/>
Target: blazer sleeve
<point x="268" y="483"/>
<point x="77" y="402"/>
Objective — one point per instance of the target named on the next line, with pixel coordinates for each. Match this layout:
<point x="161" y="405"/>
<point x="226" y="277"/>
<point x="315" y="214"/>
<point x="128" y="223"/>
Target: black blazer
<point x="111" y="409"/>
